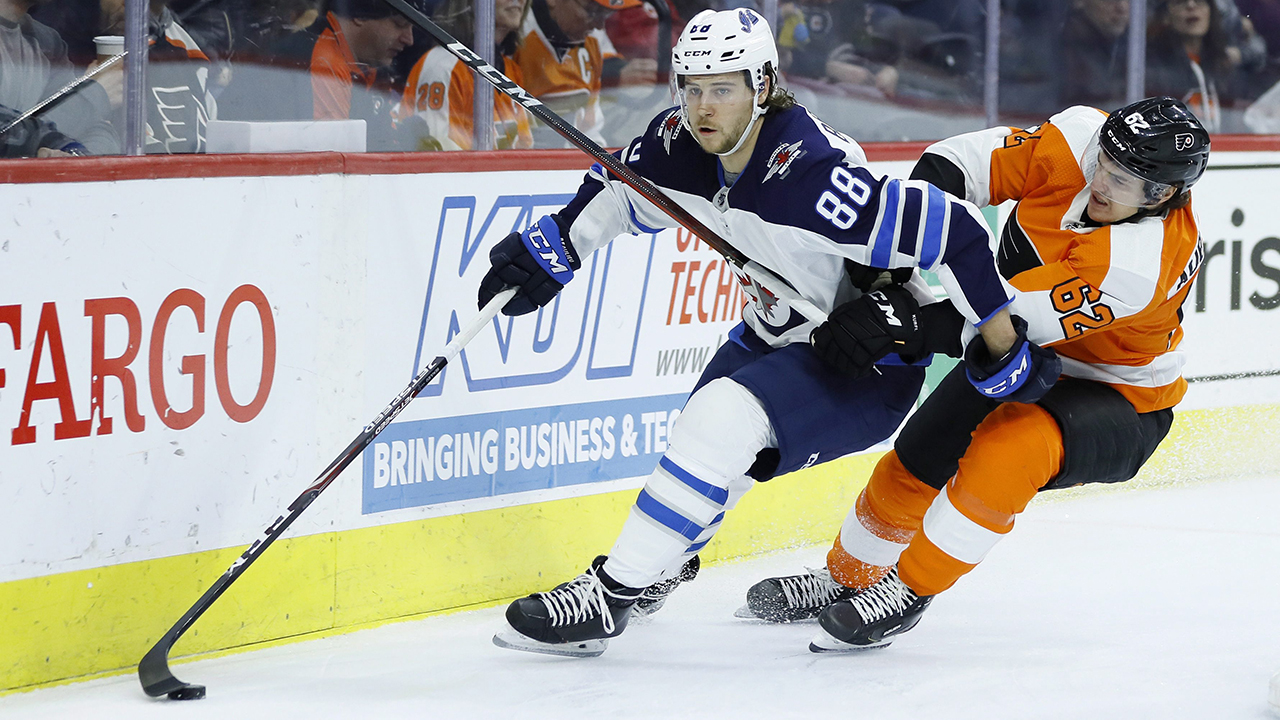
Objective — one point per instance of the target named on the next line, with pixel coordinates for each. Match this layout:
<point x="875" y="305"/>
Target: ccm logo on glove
<point x="538" y="262"/>
<point x="1024" y="374"/>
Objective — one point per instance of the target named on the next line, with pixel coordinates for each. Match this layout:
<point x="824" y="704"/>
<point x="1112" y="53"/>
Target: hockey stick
<point x="91" y="74"/>
<point x="154" y="671"/>
<point x="65" y="91"/>
<point x="757" y="272"/>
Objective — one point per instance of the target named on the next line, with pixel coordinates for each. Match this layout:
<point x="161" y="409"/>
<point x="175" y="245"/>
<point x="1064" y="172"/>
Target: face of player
<point x="1110" y="17"/>
<point x="1116" y="194"/>
<point x="1189" y="18"/>
<point x="506" y="16"/>
<point x="577" y="18"/>
<point x="377" y="41"/>
<point x="719" y="109"/>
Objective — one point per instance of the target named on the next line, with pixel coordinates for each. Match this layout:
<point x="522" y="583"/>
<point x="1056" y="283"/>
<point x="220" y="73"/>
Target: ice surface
<point x="1159" y="603"/>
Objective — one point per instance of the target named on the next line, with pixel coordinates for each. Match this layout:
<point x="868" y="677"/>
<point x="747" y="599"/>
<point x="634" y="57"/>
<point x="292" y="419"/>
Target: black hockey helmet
<point x="1158" y="140"/>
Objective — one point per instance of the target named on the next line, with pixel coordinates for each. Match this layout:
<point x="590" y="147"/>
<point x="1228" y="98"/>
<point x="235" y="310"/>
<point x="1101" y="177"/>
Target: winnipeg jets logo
<point x="781" y="159"/>
<point x="764" y="300"/>
<point x="670" y="128"/>
<point x="1183" y="141"/>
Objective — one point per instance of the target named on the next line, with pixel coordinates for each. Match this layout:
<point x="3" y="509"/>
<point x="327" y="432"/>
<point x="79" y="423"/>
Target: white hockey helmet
<point x="716" y="42"/>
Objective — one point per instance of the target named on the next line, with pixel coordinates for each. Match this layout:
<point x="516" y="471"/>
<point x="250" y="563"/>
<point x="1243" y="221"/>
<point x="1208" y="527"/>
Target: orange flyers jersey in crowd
<point x="1108" y="298"/>
<point x="568" y="83"/>
<point x="441" y="91"/>
<point x="179" y="38"/>
<point x="333" y="70"/>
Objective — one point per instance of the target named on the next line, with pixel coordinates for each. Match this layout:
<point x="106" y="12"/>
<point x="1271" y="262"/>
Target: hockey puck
<point x="188" y="692"/>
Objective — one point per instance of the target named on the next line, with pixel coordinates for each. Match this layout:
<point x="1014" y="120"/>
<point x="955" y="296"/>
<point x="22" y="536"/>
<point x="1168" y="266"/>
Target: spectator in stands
<point x="438" y="104"/>
<point x="336" y="69"/>
<point x="1247" y="49"/>
<point x="1030" y="58"/>
<point x="562" y="56"/>
<point x="1264" y="19"/>
<point x="634" y="31"/>
<point x="179" y="100"/>
<point x="1189" y="58"/>
<point x="34" y="66"/>
<point x="824" y="39"/>
<point x="1095" y="50"/>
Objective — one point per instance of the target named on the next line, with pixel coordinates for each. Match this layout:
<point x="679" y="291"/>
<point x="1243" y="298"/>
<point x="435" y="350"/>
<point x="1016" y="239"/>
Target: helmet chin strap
<point x="756" y="112"/>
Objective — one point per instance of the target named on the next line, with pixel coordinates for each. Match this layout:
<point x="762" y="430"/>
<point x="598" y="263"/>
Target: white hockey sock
<point x="712" y="445"/>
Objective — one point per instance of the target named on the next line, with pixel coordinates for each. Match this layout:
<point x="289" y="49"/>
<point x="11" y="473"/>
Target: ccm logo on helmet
<point x="697" y="53"/>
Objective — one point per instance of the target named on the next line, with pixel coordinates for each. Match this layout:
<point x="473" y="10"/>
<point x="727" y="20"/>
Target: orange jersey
<point x="333" y="71"/>
<point x="1107" y="299"/>
<point x="441" y="90"/>
<point x="568" y="82"/>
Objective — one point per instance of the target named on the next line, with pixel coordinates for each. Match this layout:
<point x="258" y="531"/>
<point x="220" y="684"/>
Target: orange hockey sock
<point x="880" y="524"/>
<point x="1015" y="451"/>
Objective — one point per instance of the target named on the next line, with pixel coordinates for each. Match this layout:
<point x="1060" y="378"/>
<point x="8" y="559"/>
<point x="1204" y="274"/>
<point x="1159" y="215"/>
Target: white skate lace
<point x="813" y="589"/>
<point x="887" y="597"/>
<point x="576" y="601"/>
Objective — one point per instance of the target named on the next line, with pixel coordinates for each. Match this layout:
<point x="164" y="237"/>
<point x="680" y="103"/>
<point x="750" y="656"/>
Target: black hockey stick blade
<point x="153" y="670"/>
<point x="157" y="679"/>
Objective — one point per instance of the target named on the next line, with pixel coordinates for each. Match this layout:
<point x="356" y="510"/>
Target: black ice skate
<point x="655" y="596"/>
<point x="576" y="618"/>
<point x="872" y="618"/>
<point x="794" y="597"/>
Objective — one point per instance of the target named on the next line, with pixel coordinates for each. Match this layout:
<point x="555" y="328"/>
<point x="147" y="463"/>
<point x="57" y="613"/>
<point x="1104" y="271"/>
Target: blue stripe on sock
<point x="714" y="524"/>
<point x="667" y="517"/>
<point x="718" y="495"/>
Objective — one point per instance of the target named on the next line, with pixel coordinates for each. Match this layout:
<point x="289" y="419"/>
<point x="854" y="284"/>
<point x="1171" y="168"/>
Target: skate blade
<point x="745" y="613"/>
<point x="824" y="643"/>
<point x="512" y="640"/>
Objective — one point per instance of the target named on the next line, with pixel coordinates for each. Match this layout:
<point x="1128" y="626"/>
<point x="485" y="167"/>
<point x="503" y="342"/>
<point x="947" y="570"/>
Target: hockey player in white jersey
<point x="795" y="196"/>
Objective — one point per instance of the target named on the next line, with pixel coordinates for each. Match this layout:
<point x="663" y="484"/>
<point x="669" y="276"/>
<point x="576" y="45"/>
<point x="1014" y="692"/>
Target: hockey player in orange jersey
<point x="562" y="56"/>
<point x="439" y="96"/>
<point x="1101" y="248"/>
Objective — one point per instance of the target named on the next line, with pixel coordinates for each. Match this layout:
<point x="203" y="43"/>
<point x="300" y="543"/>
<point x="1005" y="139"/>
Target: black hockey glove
<point x="862" y="331"/>
<point x="1024" y="374"/>
<point x="538" y="261"/>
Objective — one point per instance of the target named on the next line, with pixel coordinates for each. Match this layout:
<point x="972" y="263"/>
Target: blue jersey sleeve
<point x="892" y="223"/>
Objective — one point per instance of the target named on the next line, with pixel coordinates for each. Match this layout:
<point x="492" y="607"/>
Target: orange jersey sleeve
<point x="1005" y="163"/>
<point x="333" y="67"/>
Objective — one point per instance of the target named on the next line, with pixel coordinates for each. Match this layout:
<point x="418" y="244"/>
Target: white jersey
<point x="804" y="205"/>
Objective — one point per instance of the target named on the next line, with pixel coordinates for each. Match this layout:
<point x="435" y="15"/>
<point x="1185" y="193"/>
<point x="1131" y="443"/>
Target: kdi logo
<point x="598" y="314"/>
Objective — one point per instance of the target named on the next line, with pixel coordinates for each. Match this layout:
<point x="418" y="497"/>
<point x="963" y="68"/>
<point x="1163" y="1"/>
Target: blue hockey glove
<point x="1024" y="374"/>
<point x="539" y="262"/>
